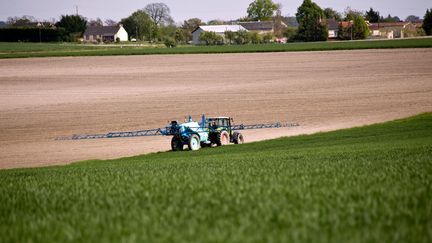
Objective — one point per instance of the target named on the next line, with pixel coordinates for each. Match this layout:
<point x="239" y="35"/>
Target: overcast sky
<point x="185" y="9"/>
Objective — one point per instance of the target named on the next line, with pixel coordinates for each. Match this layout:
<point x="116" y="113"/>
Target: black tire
<point x="194" y="143"/>
<point x="222" y="138"/>
<point x="238" y="138"/>
<point x="176" y="144"/>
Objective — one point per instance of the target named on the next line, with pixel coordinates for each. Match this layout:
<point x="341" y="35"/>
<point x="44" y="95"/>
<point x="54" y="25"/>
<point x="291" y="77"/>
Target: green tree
<point x="427" y="22"/>
<point x="390" y="19"/>
<point x="290" y="33"/>
<point x="267" y="38"/>
<point x="244" y="19"/>
<point x="229" y="36"/>
<point x="216" y="22"/>
<point x="372" y="16"/>
<point x="311" y="27"/>
<point x="140" y="26"/>
<point x="330" y="13"/>
<point x="412" y="18"/>
<point x="360" y="28"/>
<point x="169" y="42"/>
<point x="180" y="36"/>
<point x="261" y="10"/>
<point x="357" y="28"/>
<point x="211" y="38"/>
<point x="242" y="37"/>
<point x="255" y="37"/>
<point x="73" y="25"/>
<point x="166" y="31"/>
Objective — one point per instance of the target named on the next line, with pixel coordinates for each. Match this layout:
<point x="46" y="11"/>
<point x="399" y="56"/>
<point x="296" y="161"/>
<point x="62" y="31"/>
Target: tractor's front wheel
<point x="222" y="138"/>
<point x="176" y="144"/>
<point x="194" y="142"/>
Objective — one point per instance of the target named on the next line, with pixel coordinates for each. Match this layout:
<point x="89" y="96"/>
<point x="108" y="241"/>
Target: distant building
<point x="105" y="34"/>
<point x="218" y="29"/>
<point x="262" y="27"/>
<point x="333" y="28"/>
<point x="393" y="30"/>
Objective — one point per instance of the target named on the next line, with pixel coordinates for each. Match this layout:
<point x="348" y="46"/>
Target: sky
<point x="185" y="9"/>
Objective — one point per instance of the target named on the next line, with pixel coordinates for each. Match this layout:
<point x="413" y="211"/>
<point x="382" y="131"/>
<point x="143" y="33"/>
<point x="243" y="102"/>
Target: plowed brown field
<point x="44" y="98"/>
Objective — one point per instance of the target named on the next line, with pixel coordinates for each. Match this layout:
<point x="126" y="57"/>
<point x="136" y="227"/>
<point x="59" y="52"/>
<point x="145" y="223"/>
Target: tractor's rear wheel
<point x="238" y="138"/>
<point x="222" y="138"/>
<point x="176" y="144"/>
<point x="194" y="142"/>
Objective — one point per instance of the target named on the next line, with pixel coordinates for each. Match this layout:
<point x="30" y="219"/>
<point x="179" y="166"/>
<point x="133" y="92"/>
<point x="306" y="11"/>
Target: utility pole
<point x="76" y="10"/>
<point x="39" y="25"/>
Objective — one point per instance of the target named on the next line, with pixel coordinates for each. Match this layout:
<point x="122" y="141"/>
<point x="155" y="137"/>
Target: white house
<point x="333" y="28"/>
<point x="218" y="29"/>
<point x="105" y="33"/>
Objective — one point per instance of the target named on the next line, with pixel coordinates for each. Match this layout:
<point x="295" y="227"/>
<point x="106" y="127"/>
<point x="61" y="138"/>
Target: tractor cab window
<point x="221" y="122"/>
<point x="224" y="123"/>
<point x="217" y="123"/>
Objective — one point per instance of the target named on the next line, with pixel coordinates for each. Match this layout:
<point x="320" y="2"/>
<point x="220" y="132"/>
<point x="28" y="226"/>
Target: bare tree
<point x="110" y="22"/>
<point x="159" y="13"/>
<point x="19" y="21"/>
<point x="279" y="9"/>
<point x="12" y="20"/>
<point x="191" y="24"/>
<point x="51" y="20"/>
<point x="95" y="22"/>
<point x="279" y="26"/>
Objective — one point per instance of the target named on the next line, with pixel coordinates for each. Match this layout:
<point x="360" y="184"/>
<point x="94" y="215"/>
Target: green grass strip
<point x="22" y="50"/>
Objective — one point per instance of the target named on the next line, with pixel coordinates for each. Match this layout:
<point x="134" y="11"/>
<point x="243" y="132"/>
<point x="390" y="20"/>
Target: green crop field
<point x="19" y="50"/>
<point x="368" y="184"/>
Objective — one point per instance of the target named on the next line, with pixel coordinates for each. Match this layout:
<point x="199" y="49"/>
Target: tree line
<point x="154" y="23"/>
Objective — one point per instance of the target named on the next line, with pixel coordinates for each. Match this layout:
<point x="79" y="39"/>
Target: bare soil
<point x="44" y="98"/>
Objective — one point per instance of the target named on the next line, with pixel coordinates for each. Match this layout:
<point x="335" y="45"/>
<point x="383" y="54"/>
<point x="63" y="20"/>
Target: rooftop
<point x="101" y="30"/>
<point x="258" y="25"/>
<point x="220" y="28"/>
<point x="333" y="24"/>
<point x="373" y="26"/>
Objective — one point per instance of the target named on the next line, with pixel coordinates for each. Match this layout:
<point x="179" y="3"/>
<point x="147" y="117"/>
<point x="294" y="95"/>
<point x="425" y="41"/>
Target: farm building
<point x="105" y="34"/>
<point x="393" y="30"/>
<point x="218" y="29"/>
<point x="262" y="27"/>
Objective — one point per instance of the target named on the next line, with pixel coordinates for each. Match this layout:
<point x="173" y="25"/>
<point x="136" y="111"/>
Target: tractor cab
<point x="216" y="124"/>
<point x="220" y="131"/>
